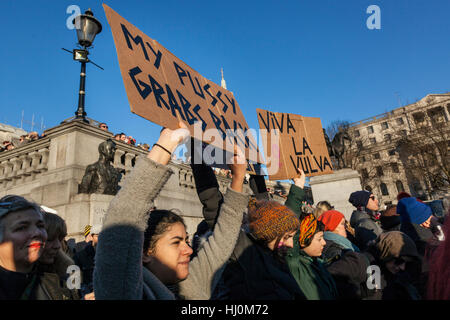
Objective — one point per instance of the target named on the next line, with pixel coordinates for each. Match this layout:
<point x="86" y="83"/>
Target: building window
<point x="395" y="167"/>
<point x="373" y="140"/>
<point x="391" y="152"/>
<point x="400" y="121"/>
<point x="399" y="186"/>
<point x="419" y="117"/>
<point x="379" y="171"/>
<point x="357" y="134"/>
<point x="376" y="155"/>
<point x="370" y="129"/>
<point x="437" y="114"/>
<point x="384" y="125"/>
<point x="384" y="189"/>
<point x="359" y="144"/>
<point x="387" y="137"/>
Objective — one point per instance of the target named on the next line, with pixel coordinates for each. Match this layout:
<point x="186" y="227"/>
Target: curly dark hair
<point x="158" y="223"/>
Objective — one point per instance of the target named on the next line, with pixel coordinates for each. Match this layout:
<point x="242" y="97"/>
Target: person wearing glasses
<point x="103" y="126"/>
<point x="365" y="219"/>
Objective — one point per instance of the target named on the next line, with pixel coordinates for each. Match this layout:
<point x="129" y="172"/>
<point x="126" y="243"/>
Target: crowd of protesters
<point x="122" y="137"/>
<point x="23" y="140"/>
<point x="247" y="246"/>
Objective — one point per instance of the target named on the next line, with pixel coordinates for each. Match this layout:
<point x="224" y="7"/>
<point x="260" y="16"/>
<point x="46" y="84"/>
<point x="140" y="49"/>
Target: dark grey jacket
<point x="119" y="273"/>
<point x="366" y="228"/>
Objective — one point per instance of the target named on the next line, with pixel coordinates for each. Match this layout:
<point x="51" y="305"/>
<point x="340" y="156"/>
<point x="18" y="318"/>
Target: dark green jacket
<point x="313" y="279"/>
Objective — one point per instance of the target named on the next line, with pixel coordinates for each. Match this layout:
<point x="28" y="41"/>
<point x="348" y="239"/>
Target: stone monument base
<point x="82" y="210"/>
<point x="336" y="189"/>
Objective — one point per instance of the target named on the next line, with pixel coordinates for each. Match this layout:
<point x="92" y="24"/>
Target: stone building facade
<point x="379" y="162"/>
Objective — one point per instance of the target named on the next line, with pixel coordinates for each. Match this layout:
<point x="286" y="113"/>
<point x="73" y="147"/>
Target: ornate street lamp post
<point x="87" y="28"/>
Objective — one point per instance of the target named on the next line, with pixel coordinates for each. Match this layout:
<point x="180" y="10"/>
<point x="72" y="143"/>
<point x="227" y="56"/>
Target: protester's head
<point x="321" y="207"/>
<point x="413" y="211"/>
<point x="56" y="230"/>
<point x="95" y="231"/>
<point x="33" y="135"/>
<point x="334" y="221"/>
<point x="390" y="211"/>
<point x="9" y="146"/>
<point x="272" y="223"/>
<point x="402" y="195"/>
<point x="166" y="247"/>
<point x="123" y="137"/>
<point x="395" y="250"/>
<point x="117" y="137"/>
<point x="103" y="126"/>
<point x="311" y="236"/>
<point x="389" y="218"/>
<point x="365" y="199"/>
<point x="22" y="233"/>
<point x="131" y="140"/>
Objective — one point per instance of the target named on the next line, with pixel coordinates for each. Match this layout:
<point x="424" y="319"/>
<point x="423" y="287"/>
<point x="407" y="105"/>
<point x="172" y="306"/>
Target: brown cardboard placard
<point x="163" y="89"/>
<point x="301" y="144"/>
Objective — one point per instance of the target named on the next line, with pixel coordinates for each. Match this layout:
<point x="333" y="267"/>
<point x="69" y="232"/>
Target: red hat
<point x="402" y="195"/>
<point x="331" y="219"/>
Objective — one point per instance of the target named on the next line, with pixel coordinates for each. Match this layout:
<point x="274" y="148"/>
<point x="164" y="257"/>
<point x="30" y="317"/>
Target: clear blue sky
<point x="314" y="58"/>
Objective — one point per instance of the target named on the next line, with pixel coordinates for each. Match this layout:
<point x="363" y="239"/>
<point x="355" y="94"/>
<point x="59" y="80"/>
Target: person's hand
<point x="168" y="142"/>
<point x="300" y="181"/>
<point x="238" y="168"/>
<point x="89" y="296"/>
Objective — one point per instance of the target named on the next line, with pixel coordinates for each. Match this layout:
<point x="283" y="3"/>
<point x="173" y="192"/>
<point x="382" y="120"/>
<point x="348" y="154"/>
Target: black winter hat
<point x="360" y="198"/>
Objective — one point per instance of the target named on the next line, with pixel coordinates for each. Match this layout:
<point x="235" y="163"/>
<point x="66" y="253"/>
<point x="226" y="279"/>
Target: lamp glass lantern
<point x="87" y="28"/>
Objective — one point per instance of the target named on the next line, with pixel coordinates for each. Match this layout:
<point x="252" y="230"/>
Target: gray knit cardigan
<point x="119" y="273"/>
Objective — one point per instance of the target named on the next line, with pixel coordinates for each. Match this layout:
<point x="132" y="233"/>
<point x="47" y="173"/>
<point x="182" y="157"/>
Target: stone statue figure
<point x="328" y="143"/>
<point x="338" y="147"/>
<point x="101" y="177"/>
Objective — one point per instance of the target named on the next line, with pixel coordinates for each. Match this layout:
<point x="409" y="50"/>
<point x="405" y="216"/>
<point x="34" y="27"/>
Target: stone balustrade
<point x="24" y="163"/>
<point x="126" y="156"/>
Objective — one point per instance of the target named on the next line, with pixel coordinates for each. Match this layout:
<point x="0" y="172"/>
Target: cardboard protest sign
<point x="299" y="143"/>
<point x="163" y="89"/>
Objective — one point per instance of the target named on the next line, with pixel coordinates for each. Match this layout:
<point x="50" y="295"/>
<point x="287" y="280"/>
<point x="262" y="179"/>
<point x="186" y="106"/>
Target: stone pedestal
<point x="336" y="189"/>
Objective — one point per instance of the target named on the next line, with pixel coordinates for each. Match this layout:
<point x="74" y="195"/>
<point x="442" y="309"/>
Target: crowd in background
<point x="23" y="140"/>
<point x="247" y="247"/>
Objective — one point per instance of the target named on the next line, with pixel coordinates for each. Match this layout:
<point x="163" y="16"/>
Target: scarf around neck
<point x="372" y="214"/>
<point x="340" y="240"/>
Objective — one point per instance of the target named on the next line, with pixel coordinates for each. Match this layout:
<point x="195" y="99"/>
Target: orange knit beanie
<point x="269" y="220"/>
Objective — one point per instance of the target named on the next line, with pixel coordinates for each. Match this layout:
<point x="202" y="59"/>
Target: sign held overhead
<point x="163" y="89"/>
<point x="301" y="144"/>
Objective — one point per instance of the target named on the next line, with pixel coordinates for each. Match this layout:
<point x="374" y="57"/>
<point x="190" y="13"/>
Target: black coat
<point x="85" y="259"/>
<point x="254" y="273"/>
<point x="390" y="223"/>
<point x="349" y="270"/>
